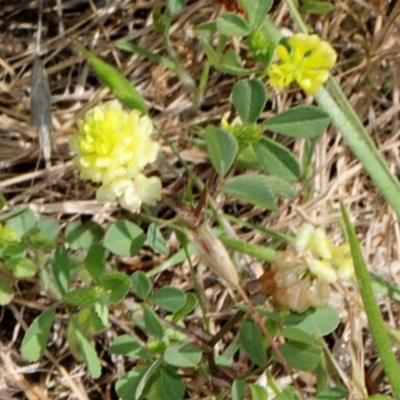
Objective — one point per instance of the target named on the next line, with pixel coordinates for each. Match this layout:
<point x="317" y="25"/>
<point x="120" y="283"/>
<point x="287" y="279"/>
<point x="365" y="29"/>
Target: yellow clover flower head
<point x="112" y="148"/>
<point x="324" y="260"/>
<point x="307" y="62"/>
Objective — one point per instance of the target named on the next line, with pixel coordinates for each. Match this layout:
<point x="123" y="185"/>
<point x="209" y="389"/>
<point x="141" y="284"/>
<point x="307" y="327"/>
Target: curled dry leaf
<point x="213" y="253"/>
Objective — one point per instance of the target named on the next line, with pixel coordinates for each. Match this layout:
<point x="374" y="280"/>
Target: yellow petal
<point x="304" y="236"/>
<point x="322" y="269"/>
<point x="320" y="244"/>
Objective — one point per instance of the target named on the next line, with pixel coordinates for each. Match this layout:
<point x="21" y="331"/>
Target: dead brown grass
<point x="365" y="35"/>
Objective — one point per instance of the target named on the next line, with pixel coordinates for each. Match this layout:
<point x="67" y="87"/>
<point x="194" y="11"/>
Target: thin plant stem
<point x="296" y="16"/>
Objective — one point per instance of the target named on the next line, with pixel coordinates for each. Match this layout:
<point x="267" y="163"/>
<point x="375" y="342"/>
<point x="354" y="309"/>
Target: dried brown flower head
<point x="296" y="288"/>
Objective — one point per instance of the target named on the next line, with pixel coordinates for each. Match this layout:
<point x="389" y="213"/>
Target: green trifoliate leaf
<point x="230" y="24"/>
<point x="301" y="121"/>
<point x="222" y="148"/>
<point x="249" y="98"/>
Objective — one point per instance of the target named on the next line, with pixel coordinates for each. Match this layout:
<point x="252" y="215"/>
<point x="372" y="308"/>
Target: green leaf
<point x="95" y="261"/>
<point x="127" y="46"/>
<point x="82" y="237"/>
<point x="140" y="285"/>
<point x="35" y="339"/>
<point x="302" y="351"/>
<point x="252" y="343"/>
<point x="22" y="222"/>
<point x="100" y="316"/>
<point x="162" y="21"/>
<point x="22" y="267"/>
<point x="190" y="304"/>
<point x="251" y="188"/>
<point x="319" y="322"/>
<point x="183" y="355"/>
<point x="301" y="356"/>
<point x="276" y="159"/>
<point x="175" y="5"/>
<point x="8" y="215"/>
<point x="169" y="298"/>
<point x="145" y="378"/>
<point x="258" y="392"/>
<point x="119" y="285"/>
<point x="301" y="121"/>
<point x="154" y="389"/>
<point x="124" y="238"/>
<point x="382" y="286"/>
<point x="88" y="351"/>
<point x="37" y="241"/>
<point x="60" y="268"/>
<point x="119" y="85"/>
<point x="212" y="56"/>
<point x="230" y="24"/>
<point x="6" y="292"/>
<point x="84" y="319"/>
<point x="338" y="393"/>
<point x="49" y="228"/>
<point x="206" y="29"/>
<point x="222" y="149"/>
<point x="294" y="333"/>
<point x="152" y="322"/>
<point x="257" y="11"/>
<point x="238" y="389"/>
<point x="14" y="249"/>
<point x="249" y="98"/>
<point x="43" y="235"/>
<point x="84" y="297"/>
<point x="316" y="7"/>
<point x="127" y="346"/>
<point x="230" y="63"/>
<point x="280" y="187"/>
<point x="126" y="386"/>
<point x="156" y="240"/>
<point x="171" y="384"/>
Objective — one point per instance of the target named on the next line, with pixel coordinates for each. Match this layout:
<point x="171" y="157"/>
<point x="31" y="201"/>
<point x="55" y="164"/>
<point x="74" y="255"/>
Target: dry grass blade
<point x="41" y="108"/>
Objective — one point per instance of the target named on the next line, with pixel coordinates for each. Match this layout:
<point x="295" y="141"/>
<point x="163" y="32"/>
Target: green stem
<point x="260" y="252"/>
<point x="375" y="320"/>
<point x="296" y="16"/>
